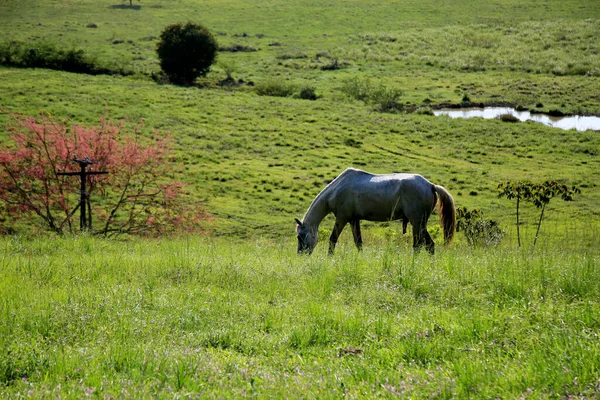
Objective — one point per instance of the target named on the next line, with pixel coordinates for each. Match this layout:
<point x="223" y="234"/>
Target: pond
<point x="581" y="123"/>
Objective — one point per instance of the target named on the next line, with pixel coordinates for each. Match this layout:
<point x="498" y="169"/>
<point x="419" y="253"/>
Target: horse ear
<point x="298" y="221"/>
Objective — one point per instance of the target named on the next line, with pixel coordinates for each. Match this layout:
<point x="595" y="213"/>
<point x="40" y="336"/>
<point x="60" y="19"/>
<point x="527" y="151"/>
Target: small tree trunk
<point x="539" y="224"/>
<point x="89" y="207"/>
<point x="518" y="231"/>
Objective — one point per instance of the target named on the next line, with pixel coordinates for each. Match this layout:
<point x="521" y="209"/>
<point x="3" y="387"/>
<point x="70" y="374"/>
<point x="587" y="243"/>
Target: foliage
<point x="384" y="98"/>
<point x="515" y="190"/>
<point x="542" y="194"/>
<point x="49" y="55"/>
<point x="276" y="88"/>
<point x="539" y="194"/>
<point x="186" y="52"/>
<point x="230" y="68"/>
<point x="477" y="230"/>
<point x="508" y="118"/>
<point x="136" y="196"/>
<point x="308" y="93"/>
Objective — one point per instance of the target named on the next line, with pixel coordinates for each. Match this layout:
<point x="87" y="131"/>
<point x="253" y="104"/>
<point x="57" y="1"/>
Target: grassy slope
<point x="82" y="316"/>
<point x="257" y="162"/>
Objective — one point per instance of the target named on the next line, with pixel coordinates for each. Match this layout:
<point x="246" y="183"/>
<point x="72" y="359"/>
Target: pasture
<point x="207" y="318"/>
<point x="237" y="313"/>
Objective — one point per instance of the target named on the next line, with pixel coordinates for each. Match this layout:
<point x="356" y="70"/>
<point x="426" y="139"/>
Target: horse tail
<point x="447" y="212"/>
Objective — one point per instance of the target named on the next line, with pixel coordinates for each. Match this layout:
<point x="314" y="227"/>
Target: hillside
<point x="256" y="162"/>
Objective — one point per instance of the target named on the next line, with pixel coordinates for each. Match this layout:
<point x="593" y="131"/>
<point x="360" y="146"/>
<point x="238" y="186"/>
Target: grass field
<point x="208" y="318"/>
<point x="237" y="313"/>
<point x="257" y="161"/>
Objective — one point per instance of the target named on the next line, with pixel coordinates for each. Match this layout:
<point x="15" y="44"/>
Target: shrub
<point x="384" y="98"/>
<point x="508" y="118"/>
<point x="48" y="55"/>
<point x="135" y="197"/>
<point x="230" y="68"/>
<point x="478" y="231"/>
<point x="358" y="89"/>
<point x="273" y="87"/>
<point x="308" y="93"/>
<point x="186" y="52"/>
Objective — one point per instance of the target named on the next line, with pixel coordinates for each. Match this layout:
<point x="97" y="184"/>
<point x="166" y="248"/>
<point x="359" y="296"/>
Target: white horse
<point x="358" y="195"/>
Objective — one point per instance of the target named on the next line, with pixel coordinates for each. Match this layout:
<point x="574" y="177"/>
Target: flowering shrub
<point x="134" y="197"/>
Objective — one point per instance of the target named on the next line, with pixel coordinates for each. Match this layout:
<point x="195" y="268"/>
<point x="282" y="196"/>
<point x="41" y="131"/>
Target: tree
<point x="134" y="197"/>
<point x="186" y="52"/>
<point x="515" y="190"/>
<point x="539" y="194"/>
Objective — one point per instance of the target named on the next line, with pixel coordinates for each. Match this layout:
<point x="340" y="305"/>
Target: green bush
<point x="386" y="99"/>
<point x="478" y="231"/>
<point x="308" y="93"/>
<point x="508" y="118"/>
<point x="48" y="55"/>
<point x="273" y="87"/>
<point x="358" y="89"/>
<point x="186" y="52"/>
<point x="382" y="97"/>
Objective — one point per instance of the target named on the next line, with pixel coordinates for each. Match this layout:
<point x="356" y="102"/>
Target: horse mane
<point x="331" y="185"/>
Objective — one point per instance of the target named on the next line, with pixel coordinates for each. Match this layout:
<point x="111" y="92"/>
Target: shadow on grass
<point x="126" y="7"/>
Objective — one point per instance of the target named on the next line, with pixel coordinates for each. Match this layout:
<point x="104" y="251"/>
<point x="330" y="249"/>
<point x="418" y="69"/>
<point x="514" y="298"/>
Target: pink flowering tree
<point x="136" y="196"/>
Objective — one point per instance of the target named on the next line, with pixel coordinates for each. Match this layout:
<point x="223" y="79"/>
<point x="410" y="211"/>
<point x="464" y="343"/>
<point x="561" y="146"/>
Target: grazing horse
<point x="357" y="195"/>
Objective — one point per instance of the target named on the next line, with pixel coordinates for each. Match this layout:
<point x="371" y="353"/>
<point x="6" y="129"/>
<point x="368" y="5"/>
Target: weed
<point x="308" y="93"/>
<point x="276" y="88"/>
<point x="477" y="230"/>
<point x="508" y="118"/>
<point x="384" y="98"/>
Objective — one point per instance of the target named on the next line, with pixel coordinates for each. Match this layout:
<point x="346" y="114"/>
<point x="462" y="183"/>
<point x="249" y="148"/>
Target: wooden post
<point x="83" y="197"/>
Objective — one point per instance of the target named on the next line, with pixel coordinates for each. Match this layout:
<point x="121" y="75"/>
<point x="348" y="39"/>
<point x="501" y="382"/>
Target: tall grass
<point x="532" y="47"/>
<point x="385" y="99"/>
<point x="209" y="318"/>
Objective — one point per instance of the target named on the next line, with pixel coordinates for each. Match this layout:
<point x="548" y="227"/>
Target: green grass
<point x="238" y="314"/>
<point x="258" y="161"/>
<point x="213" y="318"/>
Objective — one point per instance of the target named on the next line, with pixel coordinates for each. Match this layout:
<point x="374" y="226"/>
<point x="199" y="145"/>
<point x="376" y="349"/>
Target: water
<point x="578" y="122"/>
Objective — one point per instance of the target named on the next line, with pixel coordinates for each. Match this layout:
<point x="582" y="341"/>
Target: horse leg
<point x="416" y="239"/>
<point x="335" y="234"/>
<point x="422" y="238"/>
<point x="429" y="244"/>
<point x="404" y="225"/>
<point x="419" y="233"/>
<point x="355" y="225"/>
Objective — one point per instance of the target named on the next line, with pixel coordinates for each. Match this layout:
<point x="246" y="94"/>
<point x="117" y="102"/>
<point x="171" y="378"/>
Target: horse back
<point x="362" y="195"/>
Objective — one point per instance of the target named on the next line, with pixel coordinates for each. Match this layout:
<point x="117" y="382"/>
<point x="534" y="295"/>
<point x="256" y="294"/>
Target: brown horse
<point x="357" y="195"/>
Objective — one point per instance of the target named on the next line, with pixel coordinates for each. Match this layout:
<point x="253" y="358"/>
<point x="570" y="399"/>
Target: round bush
<point x="186" y="52"/>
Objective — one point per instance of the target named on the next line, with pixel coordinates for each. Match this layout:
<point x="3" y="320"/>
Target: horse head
<point x="307" y="237"/>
